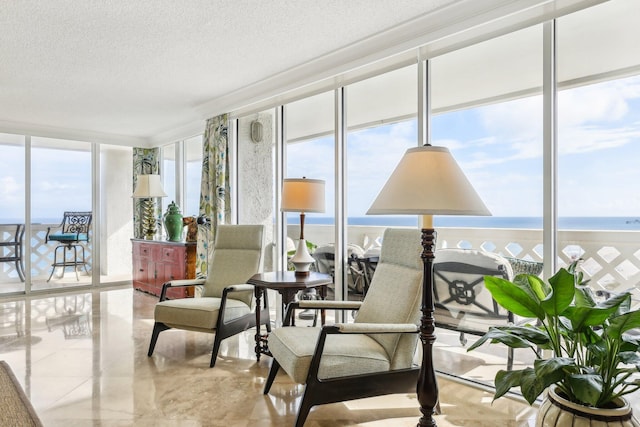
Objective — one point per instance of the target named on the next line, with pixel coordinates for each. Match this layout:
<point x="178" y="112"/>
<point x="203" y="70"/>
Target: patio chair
<point x="14" y="248"/>
<point x="74" y="231"/>
<point x="325" y="263"/>
<point x="462" y="303"/>
<point x="373" y="355"/>
<point x="225" y="307"/>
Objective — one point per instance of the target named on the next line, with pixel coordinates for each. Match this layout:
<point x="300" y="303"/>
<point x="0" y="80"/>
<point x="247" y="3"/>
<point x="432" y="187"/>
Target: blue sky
<point x="499" y="147"/>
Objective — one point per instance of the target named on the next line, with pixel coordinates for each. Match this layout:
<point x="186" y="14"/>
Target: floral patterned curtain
<point x="145" y="161"/>
<point x="215" y="203"/>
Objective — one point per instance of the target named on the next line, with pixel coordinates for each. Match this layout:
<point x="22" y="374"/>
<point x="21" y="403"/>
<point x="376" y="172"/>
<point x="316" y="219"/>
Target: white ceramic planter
<point x="556" y="411"/>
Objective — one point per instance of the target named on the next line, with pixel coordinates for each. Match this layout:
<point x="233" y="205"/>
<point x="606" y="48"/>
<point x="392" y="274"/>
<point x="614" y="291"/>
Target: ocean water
<point x="564" y="223"/>
<point x="518" y="222"/>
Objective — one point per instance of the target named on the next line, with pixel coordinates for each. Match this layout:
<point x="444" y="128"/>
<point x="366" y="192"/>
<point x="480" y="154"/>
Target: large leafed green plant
<point x="593" y="356"/>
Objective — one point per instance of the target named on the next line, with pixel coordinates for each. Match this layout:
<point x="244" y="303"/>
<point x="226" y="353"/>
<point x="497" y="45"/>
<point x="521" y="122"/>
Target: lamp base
<point x="302" y="260"/>
<point x="302" y="273"/>
<point x="149" y="222"/>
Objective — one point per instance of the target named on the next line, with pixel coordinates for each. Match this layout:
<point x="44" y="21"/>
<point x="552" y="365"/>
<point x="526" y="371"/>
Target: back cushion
<point x="462" y="301"/>
<point x="236" y="257"/>
<point x="396" y="288"/>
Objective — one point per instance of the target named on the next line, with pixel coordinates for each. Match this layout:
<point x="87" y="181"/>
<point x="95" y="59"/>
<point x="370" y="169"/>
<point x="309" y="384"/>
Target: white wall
<point x="256" y="176"/>
<point x="116" y="170"/>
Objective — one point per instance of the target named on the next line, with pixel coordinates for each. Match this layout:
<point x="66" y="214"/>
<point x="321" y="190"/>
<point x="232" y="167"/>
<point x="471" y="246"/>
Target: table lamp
<point x="302" y="195"/>
<point x="427" y="182"/>
<point x="149" y="187"/>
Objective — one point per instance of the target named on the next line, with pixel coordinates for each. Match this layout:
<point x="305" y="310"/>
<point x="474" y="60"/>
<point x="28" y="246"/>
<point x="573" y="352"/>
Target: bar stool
<point x="74" y="229"/>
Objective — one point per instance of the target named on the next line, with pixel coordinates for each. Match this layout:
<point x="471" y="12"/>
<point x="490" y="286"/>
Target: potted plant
<point x="593" y="357"/>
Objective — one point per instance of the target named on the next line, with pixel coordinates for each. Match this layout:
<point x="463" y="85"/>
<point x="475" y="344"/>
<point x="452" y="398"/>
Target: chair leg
<point x="305" y="407"/>
<point x="157" y="328"/>
<point x="84" y="262"/>
<point x="75" y="261"/>
<point x="275" y="367"/>
<point x="20" y="270"/>
<point x="214" y="351"/>
<point x="55" y="261"/>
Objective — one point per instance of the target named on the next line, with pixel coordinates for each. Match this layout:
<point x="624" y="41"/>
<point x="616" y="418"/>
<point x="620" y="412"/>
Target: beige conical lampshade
<point x="149" y="186"/>
<point x="428" y="181"/>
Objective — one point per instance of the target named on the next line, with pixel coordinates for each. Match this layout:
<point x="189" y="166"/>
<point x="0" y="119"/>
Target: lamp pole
<point x="427" y="388"/>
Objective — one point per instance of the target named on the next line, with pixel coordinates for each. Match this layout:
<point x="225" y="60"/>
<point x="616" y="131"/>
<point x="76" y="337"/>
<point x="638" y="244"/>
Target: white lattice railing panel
<point x="40" y="252"/>
<point x="7" y="269"/>
<point x="611" y="259"/>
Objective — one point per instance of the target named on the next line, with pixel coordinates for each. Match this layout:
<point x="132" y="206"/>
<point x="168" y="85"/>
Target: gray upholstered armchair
<point x="225" y="306"/>
<point x="371" y="356"/>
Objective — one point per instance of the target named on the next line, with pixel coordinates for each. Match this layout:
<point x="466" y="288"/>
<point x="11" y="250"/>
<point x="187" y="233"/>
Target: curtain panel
<point x="145" y="161"/>
<point x="215" y="201"/>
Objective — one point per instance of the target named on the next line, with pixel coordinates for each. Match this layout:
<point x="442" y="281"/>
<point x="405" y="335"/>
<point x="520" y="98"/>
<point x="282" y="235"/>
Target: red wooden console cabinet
<point x="156" y="262"/>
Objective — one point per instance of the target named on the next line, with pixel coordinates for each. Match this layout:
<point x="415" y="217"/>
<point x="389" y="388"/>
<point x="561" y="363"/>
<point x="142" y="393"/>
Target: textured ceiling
<point x="130" y="70"/>
<point x="137" y="68"/>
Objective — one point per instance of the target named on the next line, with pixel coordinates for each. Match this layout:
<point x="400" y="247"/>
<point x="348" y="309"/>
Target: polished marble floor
<point x="82" y="360"/>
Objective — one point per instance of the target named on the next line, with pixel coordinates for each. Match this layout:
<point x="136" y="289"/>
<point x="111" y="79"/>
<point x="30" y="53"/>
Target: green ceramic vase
<point x="173" y="223"/>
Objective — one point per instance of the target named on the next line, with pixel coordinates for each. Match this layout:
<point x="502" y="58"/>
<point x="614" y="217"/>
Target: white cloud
<point x="8" y="186"/>
<point x="11" y="197"/>
<point x="584" y="139"/>
<point x="594" y="103"/>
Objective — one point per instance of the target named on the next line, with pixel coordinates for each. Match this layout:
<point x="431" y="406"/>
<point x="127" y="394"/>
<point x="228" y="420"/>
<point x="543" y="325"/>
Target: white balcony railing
<point x="611" y="259"/>
<point x="38" y="249"/>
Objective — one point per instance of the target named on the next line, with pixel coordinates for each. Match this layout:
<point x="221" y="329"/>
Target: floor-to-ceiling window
<point x="168" y="173"/>
<point x="12" y="214"/>
<point x="488" y="110"/>
<point x="310" y="148"/>
<point x="599" y="143"/>
<point x="181" y="171"/>
<point x="192" y="175"/>
<point x="381" y="115"/>
<point x="61" y="181"/>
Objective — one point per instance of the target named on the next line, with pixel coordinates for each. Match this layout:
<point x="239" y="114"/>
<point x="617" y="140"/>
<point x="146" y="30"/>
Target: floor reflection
<point x="81" y="359"/>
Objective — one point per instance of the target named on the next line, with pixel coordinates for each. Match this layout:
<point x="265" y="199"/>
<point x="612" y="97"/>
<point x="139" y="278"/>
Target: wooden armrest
<point x="178" y="284"/>
<point x="240" y="288"/>
<point x="375" y="328"/>
<point x="184" y="282"/>
<point x="329" y="305"/>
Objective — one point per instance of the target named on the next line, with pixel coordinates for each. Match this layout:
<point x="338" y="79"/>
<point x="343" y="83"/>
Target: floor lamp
<point x="302" y="195"/>
<point x="149" y="187"/>
<point x="427" y="182"/>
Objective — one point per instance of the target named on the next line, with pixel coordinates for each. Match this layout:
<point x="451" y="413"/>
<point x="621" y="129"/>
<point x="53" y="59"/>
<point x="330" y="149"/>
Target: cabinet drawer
<point x="172" y="255"/>
<point x="143" y="250"/>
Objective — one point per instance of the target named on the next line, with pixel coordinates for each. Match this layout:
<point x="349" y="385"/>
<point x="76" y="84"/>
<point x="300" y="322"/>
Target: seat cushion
<point x="197" y="313"/>
<point x="68" y="237"/>
<point x="462" y="321"/>
<point x="343" y="355"/>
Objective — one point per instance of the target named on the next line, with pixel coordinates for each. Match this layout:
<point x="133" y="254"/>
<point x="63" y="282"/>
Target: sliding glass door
<point x="12" y="213"/>
<point x="61" y="181"/>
